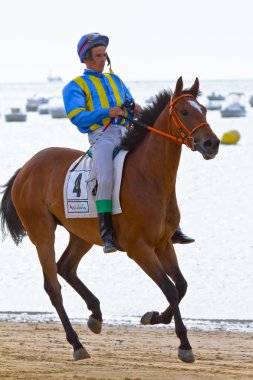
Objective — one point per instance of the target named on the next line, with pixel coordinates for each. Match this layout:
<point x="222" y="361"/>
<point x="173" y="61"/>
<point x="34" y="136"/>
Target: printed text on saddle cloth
<point x="78" y="191"/>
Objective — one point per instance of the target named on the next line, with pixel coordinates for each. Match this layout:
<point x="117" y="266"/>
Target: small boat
<point x="52" y="78"/>
<point x="56" y="108"/>
<point x="251" y="100"/>
<point x="15" y="114"/>
<point x="150" y="100"/>
<point x="33" y="103"/>
<point x="213" y="105"/>
<point x="43" y="107"/>
<point x="213" y="96"/>
<point x="235" y="110"/>
<point x="234" y="106"/>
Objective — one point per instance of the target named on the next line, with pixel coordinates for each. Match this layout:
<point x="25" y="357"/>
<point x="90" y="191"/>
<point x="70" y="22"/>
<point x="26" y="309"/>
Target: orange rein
<point x="185" y="136"/>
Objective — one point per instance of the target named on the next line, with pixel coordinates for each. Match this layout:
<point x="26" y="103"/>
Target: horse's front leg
<point x="149" y="262"/>
<point x="168" y="260"/>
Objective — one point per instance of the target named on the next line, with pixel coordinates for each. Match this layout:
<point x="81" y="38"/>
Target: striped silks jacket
<point x="87" y="99"/>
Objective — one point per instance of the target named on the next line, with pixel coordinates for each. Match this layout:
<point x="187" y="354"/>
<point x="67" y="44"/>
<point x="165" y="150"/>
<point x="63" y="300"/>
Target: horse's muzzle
<point x="208" y="147"/>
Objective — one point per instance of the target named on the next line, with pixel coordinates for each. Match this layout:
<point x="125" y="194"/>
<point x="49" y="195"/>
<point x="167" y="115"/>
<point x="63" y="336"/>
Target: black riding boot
<point x="106" y="231"/>
<point x="180" y="238"/>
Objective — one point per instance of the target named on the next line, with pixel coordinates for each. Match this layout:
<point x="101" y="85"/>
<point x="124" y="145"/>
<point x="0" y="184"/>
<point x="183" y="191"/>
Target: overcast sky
<point x="149" y="39"/>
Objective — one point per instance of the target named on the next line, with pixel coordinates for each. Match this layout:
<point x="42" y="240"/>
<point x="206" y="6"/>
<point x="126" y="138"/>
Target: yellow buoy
<point x="231" y="137"/>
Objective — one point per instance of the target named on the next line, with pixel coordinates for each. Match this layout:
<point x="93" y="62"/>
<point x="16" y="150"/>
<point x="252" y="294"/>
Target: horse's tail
<point x="10" y="221"/>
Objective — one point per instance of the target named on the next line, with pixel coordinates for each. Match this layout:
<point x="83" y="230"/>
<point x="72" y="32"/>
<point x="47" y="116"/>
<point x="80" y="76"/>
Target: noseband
<point x="185" y="135"/>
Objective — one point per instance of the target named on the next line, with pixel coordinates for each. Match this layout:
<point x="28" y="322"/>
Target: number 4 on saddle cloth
<point x="79" y="200"/>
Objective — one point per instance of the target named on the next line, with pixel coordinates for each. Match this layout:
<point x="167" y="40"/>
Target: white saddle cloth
<point x="79" y="202"/>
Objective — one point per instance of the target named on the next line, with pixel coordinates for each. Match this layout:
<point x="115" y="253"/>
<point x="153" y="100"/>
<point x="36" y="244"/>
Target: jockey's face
<point x="98" y="60"/>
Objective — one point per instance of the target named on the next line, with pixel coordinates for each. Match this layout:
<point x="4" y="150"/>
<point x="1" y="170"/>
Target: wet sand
<point x="39" y="351"/>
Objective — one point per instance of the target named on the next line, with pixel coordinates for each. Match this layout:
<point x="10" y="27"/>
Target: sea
<point x="215" y="200"/>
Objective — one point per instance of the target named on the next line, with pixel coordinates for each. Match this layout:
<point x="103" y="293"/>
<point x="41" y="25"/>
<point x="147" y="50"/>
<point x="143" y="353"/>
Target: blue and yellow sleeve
<point x="74" y="99"/>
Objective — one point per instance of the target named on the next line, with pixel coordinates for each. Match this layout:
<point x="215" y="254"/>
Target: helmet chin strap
<point x="109" y="63"/>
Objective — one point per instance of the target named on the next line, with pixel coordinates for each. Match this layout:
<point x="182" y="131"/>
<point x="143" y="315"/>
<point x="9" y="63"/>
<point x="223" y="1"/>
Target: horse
<point x="32" y="204"/>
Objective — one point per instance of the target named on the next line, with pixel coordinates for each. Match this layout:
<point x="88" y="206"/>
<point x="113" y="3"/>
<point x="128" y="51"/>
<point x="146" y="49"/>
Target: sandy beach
<point x="39" y="351"/>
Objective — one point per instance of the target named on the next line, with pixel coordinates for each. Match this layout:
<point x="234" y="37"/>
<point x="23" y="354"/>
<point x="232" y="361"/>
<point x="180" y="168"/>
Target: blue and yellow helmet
<point x="88" y="41"/>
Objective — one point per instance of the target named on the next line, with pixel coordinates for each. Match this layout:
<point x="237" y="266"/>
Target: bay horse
<point x="32" y="204"/>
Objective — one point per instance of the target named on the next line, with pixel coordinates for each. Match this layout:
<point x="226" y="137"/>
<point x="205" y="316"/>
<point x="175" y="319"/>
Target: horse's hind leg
<point x="67" y="267"/>
<point x="41" y="234"/>
<point x="168" y="260"/>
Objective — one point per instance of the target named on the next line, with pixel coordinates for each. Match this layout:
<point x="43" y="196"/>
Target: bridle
<point x="185" y="134"/>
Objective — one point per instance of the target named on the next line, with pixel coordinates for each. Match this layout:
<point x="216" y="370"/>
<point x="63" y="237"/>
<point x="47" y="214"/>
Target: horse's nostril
<point x="211" y="143"/>
<point x="207" y="144"/>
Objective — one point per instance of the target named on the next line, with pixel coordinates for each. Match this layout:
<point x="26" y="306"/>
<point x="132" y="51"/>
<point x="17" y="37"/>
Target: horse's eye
<point x="184" y="112"/>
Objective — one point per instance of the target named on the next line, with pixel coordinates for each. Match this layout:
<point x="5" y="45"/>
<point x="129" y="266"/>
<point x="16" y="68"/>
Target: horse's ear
<point x="195" y="87"/>
<point x="179" y="88"/>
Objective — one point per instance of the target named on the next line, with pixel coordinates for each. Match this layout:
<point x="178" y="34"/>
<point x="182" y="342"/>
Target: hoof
<point x="94" y="325"/>
<point x="186" y="355"/>
<point x="80" y="354"/>
<point x="146" y="318"/>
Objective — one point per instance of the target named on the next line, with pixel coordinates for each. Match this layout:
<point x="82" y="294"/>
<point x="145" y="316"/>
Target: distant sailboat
<point x="53" y="78"/>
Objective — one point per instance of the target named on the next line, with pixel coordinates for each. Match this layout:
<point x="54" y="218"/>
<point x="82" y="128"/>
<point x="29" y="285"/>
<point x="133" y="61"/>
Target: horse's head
<point x="188" y="121"/>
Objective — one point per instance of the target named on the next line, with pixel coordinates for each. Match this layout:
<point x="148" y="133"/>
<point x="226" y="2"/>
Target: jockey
<point x="91" y="101"/>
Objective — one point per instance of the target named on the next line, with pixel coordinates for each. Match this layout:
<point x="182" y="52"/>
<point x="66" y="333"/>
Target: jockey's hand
<point x="137" y="109"/>
<point x="116" y="112"/>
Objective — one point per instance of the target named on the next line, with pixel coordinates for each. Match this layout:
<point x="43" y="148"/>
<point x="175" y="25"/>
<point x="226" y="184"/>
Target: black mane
<point x="136" y="134"/>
